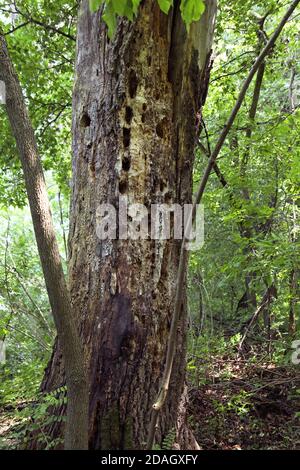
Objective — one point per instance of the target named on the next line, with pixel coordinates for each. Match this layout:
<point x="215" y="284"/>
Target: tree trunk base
<point x="185" y="439"/>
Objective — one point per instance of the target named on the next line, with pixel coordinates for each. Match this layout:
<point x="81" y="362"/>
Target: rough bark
<point x="76" y="436"/>
<point x="136" y="103"/>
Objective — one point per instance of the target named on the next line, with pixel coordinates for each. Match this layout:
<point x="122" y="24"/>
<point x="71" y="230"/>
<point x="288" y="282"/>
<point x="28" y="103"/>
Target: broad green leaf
<point x="114" y="8"/>
<point x="95" y="4"/>
<point x="110" y="19"/>
<point x="121" y="7"/>
<point x="191" y="10"/>
<point x="165" y="5"/>
<point x="135" y="5"/>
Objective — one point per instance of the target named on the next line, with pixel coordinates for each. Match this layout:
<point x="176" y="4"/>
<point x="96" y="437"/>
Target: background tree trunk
<point x="76" y="435"/>
<point x="137" y="100"/>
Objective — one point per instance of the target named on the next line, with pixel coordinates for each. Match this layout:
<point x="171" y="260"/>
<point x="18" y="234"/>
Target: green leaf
<point x="95" y="4"/>
<point x="110" y="19"/>
<point x="165" y="5"/>
<point x="129" y="8"/>
<point x="114" y="8"/>
<point x="191" y="10"/>
<point x="135" y="5"/>
<point x="121" y="7"/>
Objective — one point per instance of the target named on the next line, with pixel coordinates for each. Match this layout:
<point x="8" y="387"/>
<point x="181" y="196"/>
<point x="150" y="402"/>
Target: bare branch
<point x="17" y="27"/>
<point x="46" y="26"/>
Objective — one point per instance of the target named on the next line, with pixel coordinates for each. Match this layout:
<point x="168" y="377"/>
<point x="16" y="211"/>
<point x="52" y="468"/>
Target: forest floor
<point x="8" y="424"/>
<point x="235" y="404"/>
<point x="241" y="405"/>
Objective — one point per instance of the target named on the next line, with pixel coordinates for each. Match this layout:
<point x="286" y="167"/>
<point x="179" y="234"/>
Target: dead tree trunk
<point x="136" y="103"/>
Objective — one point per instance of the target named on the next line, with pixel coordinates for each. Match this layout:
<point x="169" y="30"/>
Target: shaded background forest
<point x="244" y="282"/>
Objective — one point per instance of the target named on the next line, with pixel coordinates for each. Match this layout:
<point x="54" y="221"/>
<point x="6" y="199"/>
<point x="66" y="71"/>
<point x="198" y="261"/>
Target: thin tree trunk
<point x="136" y="104"/>
<point x="294" y="273"/>
<point x="77" y="413"/>
<point x="268" y="297"/>
<point x="293" y="301"/>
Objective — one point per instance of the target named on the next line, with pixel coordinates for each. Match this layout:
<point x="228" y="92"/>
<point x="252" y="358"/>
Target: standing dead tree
<point x="163" y="391"/>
